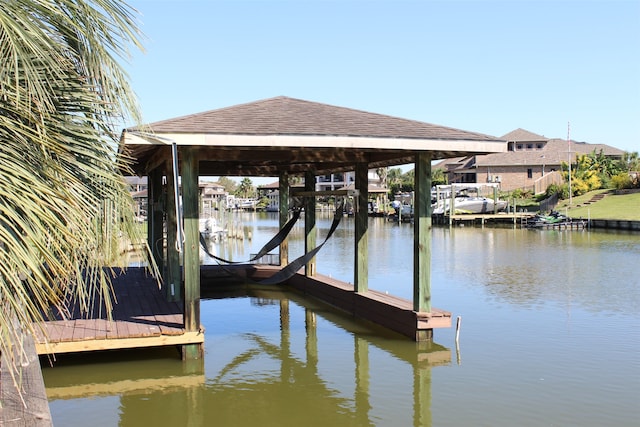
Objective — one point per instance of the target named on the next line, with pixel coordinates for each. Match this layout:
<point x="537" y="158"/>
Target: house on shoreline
<point x="531" y="162"/>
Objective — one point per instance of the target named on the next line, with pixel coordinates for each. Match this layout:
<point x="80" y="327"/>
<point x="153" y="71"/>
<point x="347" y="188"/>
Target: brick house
<point x="531" y="162"/>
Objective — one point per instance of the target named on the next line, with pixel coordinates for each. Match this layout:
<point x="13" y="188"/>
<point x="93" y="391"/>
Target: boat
<point x="466" y="202"/>
<point x="246" y="203"/>
<point x="210" y="228"/>
<point x="403" y="211"/>
<point x="553" y="219"/>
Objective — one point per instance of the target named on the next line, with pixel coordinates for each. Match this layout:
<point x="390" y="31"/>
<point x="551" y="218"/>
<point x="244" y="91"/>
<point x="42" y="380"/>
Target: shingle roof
<point x="522" y="135"/>
<point x="554" y="152"/>
<point x="289" y="116"/>
<point x="267" y="137"/>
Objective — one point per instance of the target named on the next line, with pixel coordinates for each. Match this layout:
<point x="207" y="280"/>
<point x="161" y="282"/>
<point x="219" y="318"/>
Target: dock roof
<point x="265" y="137"/>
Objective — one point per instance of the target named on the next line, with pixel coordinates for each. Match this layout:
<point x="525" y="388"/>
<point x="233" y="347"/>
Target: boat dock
<point x="515" y="219"/>
<point x="141" y="317"/>
<point x="564" y="225"/>
<point x="389" y="311"/>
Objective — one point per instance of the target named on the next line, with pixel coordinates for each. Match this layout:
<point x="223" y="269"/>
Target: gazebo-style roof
<point x="266" y="137"/>
<point x="282" y="137"/>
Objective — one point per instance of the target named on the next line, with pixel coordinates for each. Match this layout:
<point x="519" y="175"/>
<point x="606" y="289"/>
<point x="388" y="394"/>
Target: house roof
<point x="265" y="137"/>
<point x="523" y="135"/>
<point x="554" y="152"/>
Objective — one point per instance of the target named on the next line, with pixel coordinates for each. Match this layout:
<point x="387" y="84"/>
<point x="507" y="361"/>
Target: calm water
<point x="550" y="336"/>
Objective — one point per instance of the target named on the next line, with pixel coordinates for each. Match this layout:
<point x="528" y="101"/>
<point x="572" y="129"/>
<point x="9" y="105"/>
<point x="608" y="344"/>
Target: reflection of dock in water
<point x="333" y="406"/>
<point x="140" y="377"/>
<point x="172" y="385"/>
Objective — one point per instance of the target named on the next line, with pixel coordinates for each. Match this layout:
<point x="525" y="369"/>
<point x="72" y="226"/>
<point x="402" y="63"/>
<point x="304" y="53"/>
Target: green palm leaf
<point x="63" y="199"/>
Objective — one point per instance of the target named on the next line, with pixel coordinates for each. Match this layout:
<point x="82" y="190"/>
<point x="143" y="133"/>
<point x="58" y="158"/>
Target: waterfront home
<point x="531" y="162"/>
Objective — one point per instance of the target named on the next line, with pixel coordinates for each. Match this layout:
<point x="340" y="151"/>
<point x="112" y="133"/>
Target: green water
<point x="549" y="336"/>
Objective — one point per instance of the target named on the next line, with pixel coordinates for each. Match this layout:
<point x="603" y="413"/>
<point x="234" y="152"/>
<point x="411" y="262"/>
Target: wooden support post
<point x="311" y="342"/>
<point x="155" y="217"/>
<point x="422" y="234"/>
<point x="190" y="203"/>
<point x="452" y="202"/>
<point x="173" y="280"/>
<point x="286" y="364"/>
<point x="362" y="392"/>
<point x="422" y="395"/>
<point x="361" y="262"/>
<point x="13" y="411"/>
<point x="495" y="200"/>
<point x="284" y="215"/>
<point x="310" y="223"/>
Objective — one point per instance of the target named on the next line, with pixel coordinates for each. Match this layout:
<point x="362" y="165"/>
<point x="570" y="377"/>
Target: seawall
<point x="615" y="224"/>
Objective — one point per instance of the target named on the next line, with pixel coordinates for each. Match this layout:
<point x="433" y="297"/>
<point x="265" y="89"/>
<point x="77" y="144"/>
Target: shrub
<point x="621" y="181"/>
<point x="564" y="191"/>
<point x="561" y="190"/>
<point x="520" y="193"/>
<point x="552" y="189"/>
<point x="579" y="187"/>
<point x="593" y="182"/>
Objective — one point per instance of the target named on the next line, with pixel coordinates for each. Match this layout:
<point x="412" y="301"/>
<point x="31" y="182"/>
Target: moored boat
<point x="467" y="201"/>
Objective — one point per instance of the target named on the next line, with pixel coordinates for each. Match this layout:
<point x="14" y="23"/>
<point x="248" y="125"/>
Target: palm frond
<point x="62" y="195"/>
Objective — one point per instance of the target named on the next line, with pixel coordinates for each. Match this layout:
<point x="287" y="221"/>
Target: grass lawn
<point x="626" y="207"/>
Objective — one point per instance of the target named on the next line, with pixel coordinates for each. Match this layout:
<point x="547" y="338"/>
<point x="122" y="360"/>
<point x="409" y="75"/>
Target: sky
<point x="555" y="68"/>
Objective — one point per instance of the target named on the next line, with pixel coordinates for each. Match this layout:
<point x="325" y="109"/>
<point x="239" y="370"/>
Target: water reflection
<point x="528" y="267"/>
<point x="551" y="322"/>
<point x="272" y="358"/>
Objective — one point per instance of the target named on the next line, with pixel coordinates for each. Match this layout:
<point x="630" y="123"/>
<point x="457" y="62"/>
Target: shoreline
<point x="614" y="224"/>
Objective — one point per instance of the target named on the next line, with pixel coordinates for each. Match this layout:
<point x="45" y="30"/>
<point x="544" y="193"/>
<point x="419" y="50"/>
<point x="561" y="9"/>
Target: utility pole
<point x="569" y="142"/>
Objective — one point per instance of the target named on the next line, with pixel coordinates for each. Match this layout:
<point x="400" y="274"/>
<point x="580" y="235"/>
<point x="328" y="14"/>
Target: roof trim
<point x="284" y="141"/>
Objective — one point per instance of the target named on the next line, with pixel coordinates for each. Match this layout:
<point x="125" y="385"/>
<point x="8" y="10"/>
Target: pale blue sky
<point x="482" y="66"/>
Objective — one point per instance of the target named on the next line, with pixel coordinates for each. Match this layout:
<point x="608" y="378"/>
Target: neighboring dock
<point x="141" y="317"/>
<point x="515" y="219"/>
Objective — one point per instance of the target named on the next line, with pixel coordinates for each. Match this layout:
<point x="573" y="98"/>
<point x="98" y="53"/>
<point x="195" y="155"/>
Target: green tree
<point x="295" y="180"/>
<point x="630" y="162"/>
<point x="408" y="180"/>
<point x="246" y="188"/>
<point x="63" y="198"/>
<point x="383" y="174"/>
<point x="604" y="166"/>
<point x="438" y="177"/>
<point x="229" y="185"/>
<point x="591" y="172"/>
<point x="394" y="179"/>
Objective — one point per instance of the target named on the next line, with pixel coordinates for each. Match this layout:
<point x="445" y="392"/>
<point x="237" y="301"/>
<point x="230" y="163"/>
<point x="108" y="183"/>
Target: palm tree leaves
<point x="63" y="200"/>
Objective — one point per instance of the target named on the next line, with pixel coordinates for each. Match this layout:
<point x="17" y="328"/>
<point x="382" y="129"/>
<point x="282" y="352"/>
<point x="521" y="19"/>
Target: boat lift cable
<point x="176" y="189"/>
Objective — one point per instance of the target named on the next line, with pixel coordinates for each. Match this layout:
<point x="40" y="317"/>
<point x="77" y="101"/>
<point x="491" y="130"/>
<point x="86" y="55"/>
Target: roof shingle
<point x="289" y="116"/>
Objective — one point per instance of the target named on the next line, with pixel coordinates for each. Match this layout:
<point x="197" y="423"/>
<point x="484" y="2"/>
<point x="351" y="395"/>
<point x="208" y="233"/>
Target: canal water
<point x="549" y="336"/>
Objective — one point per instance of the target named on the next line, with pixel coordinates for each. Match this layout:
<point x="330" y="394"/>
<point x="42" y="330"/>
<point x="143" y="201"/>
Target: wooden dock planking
<point x="141" y="317"/>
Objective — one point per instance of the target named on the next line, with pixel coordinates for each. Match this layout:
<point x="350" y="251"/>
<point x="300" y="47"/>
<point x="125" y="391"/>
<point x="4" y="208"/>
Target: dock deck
<point x="141" y="317"/>
<point x="518" y="218"/>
